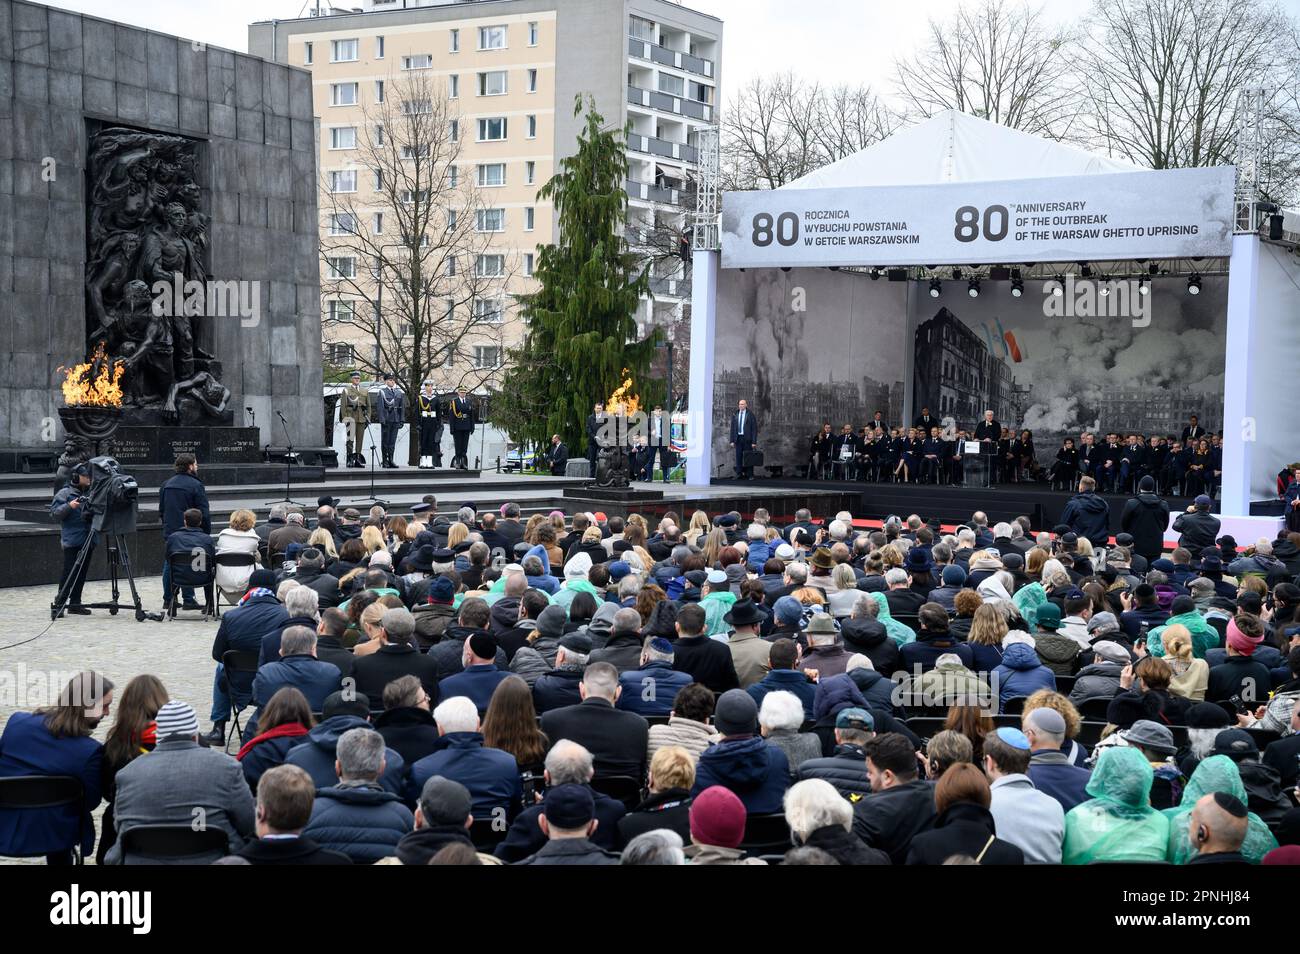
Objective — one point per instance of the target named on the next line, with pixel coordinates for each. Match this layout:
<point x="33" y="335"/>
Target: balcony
<point x="679" y="151"/>
<point x="670" y="287"/>
<point x="669" y="104"/>
<point x="645" y="50"/>
<point x="649" y="192"/>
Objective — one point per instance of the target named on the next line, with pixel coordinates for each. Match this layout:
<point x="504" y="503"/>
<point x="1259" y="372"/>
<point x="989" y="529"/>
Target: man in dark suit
<point x="462" y="426"/>
<point x="595" y="421"/>
<point x="557" y="456"/>
<point x="988" y="432"/>
<point x="1089" y="455"/>
<point x="659" y="428"/>
<point x="1193" y="431"/>
<point x="845" y="449"/>
<point x="615" y="738"/>
<point x="744" y="435"/>
<point x="1108" y="466"/>
<point x="926" y="420"/>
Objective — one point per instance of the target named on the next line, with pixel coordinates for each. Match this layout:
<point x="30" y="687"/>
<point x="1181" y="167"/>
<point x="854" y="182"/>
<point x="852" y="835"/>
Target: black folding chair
<point x="184" y="562"/>
<point x="927" y="727"/>
<point x="625" y="788"/>
<point x="44" y="793"/>
<point x="766" y="835"/>
<point x="487" y="833"/>
<point x="172" y="842"/>
<point x="237" y="661"/>
<point x="231" y="560"/>
<point x="1094" y="708"/>
<point x="1064" y="684"/>
<point x="1014" y="706"/>
<point x="1090" y="733"/>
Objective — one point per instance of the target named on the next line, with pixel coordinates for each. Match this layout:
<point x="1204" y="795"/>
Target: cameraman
<point x="182" y="492"/>
<point x="69" y="508"/>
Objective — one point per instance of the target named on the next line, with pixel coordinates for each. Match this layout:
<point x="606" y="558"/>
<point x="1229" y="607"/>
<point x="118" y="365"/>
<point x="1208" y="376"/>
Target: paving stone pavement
<point x="179" y="651"/>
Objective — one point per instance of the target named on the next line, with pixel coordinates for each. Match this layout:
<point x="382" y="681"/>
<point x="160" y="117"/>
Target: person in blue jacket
<point x="297" y="668"/>
<point x="743" y="762"/>
<point x="69" y="508"/>
<point x="182" y="492"/>
<point x="199" y="552"/>
<point x="650" y="690"/>
<point x="56" y="740"/>
<point x="1021" y="673"/>
<point x="785" y="675"/>
<point x="491" y="775"/>
<point x="243" y="628"/>
<point x="1088" y="514"/>
<point x="357" y="816"/>
<point x="317" y="756"/>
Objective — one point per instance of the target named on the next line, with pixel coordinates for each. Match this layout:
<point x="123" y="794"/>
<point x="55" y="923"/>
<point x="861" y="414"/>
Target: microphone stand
<point x="372" y="499"/>
<point x="288" y="464"/>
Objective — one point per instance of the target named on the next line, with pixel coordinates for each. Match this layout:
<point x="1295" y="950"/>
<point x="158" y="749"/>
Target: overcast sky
<point x="832" y="40"/>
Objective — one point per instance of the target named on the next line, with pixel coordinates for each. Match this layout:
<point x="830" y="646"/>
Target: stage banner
<point x="1166" y="213"/>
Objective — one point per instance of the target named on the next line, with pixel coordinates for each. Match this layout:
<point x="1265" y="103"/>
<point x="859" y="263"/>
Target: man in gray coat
<point x="179" y="783"/>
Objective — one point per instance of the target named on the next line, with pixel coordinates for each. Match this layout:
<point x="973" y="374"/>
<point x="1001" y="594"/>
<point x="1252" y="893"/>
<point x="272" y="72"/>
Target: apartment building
<point x="511" y="70"/>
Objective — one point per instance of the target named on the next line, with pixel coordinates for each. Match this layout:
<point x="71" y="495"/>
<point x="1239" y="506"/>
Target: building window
<point x="451" y="266"/>
<point x="491" y="220"/>
<point x="455" y="41"/>
<point x="415" y="152"/>
<point x="453" y="86"/>
<point x="344" y="266"/>
<point x="379" y="47"/>
<point x="490" y="266"/>
<point x="641" y="28"/>
<point x="340" y="309"/>
<point x="532" y="81"/>
<point x="530" y="172"/>
<point x="532" y="127"/>
<point x="410" y="196"/>
<point x="532" y="33"/>
<point x="700" y="92"/>
<point x="343" y="223"/>
<point x="492" y="174"/>
<point x="379" y="91"/>
<point x="492" y="129"/>
<point x="529" y="218"/>
<point x="343" y="180"/>
<point x="416" y="107"/>
<point x="528" y="264"/>
<point x="338" y="353"/>
<point x="488" y="310"/>
<point x="674" y="85"/>
<point x="451" y="219"/>
<point x="454" y="130"/>
<point x="487" y="356"/>
<point x="377" y="224"/>
<point x="492" y="38"/>
<point x="343" y="137"/>
<point x="417" y="61"/>
<point x="453" y="175"/>
<point x="492" y="83"/>
<point x="306" y="54"/>
<point x="379" y="135"/>
<point x="343" y="94"/>
<point x="343" y="51"/>
<point x="379" y="180"/>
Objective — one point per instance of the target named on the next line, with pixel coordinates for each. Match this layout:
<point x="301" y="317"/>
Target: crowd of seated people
<point x="481" y="688"/>
<point x="935" y="452"/>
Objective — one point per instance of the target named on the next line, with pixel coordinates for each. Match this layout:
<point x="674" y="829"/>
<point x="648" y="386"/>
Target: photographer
<point x="69" y="508"/>
<point x="180" y="493"/>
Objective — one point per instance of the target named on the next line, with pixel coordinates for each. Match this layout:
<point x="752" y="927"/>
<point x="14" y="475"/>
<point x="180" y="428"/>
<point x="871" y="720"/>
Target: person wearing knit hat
<point x="620" y="568"/>
<point x="568" y="819"/>
<point x="442" y="590"/>
<point x="717" y="821"/>
<point x="742" y="761"/>
<point x="1240" y="675"/>
<point x="787" y="615"/>
<point x="176" y="718"/>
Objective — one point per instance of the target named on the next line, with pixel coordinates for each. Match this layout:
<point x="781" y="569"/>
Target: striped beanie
<point x="177" y="718"/>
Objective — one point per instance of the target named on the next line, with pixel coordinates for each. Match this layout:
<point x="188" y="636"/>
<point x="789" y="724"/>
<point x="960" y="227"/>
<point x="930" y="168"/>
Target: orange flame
<point x="97" y="382"/>
<point x="623" y="402"/>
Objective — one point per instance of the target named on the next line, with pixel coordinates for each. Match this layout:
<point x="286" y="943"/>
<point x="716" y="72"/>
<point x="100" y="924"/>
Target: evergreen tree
<point x="581" y="340"/>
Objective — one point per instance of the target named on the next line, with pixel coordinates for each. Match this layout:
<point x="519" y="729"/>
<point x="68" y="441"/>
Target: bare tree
<point x="998" y="61"/>
<point x="1165" y="77"/>
<point x="779" y="128"/>
<point x="409" y="248"/>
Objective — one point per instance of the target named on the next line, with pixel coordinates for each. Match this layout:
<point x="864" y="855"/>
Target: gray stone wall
<point x="60" y="69"/>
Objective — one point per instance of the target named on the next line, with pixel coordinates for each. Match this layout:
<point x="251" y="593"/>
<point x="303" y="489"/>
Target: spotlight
<point x="1153" y="269"/>
<point x="1194" y="284"/>
<point x="1143" y="287"/>
<point x="1058" y="286"/>
<point x="973" y="289"/>
<point x="1104" y="290"/>
<point x="935" y="287"/>
<point x="1017" y="288"/>
<point x="875" y="273"/>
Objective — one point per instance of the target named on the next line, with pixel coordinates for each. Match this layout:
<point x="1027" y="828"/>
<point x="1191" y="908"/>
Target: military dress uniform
<point x="430" y="410"/>
<point x="462" y="426"/>
<point x="354" y="414"/>
<point x="392" y="415"/>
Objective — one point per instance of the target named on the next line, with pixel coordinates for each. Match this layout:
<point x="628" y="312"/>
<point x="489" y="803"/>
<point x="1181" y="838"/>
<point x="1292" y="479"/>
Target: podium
<point x="977" y="460"/>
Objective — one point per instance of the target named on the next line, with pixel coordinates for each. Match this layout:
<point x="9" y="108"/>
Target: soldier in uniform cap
<point x="462" y="426"/>
<point x="354" y="414"/>
<point x="430" y="411"/>
<point x="392" y="415"/>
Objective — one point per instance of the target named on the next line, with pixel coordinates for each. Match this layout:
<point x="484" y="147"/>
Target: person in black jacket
<point x="407" y="723"/>
<point x="847" y="768"/>
<point x="182" y="492"/>
<point x="1088" y="514"/>
<point x="706" y="659"/>
<point x="615" y="738"/>
<point x="963" y="825"/>
<point x="1146" y="517"/>
<point x="197" y="555"/>
<point x="668" y="804"/>
<point x="821" y="817"/>
<point x="901" y="805"/>
<point x="285" y="795"/>
<point x="397" y="657"/>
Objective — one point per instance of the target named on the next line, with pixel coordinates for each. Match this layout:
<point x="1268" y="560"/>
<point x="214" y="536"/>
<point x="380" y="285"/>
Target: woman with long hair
<point x="283" y="723"/>
<point x="987" y="628"/>
<point x="510" y="725"/>
<point x="530" y="529"/>
<point x="582" y="608"/>
<point x="713" y="546"/>
<point x="972" y="722"/>
<point x="646" y="600"/>
<point x="323" y="541"/>
<point x="457" y="537"/>
<point x="699" y="524"/>
<point x="372" y="538"/>
<point x="1034" y="560"/>
<point x="395" y="531"/>
<point x="133" y="734"/>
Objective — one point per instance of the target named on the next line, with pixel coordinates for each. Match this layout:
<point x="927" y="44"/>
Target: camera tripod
<point x="119" y="564"/>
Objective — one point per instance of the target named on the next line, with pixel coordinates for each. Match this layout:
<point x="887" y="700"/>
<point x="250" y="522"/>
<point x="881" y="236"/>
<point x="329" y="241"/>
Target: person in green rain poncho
<point x="1027" y="599"/>
<point x="1118" y="822"/>
<point x="1218" y="773"/>
<point x="900" y="633"/>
